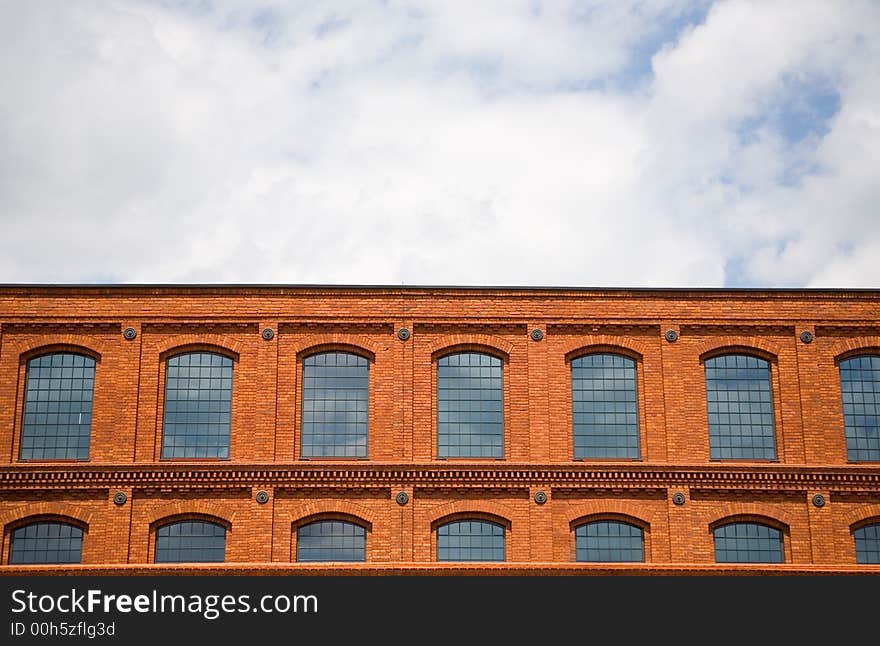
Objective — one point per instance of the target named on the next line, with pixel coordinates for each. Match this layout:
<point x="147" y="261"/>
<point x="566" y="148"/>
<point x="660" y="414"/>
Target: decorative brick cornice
<point x="383" y="475"/>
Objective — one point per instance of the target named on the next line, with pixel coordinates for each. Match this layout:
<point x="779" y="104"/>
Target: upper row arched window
<point x="57" y="411"/>
<point x="335" y="397"/>
<point x="605" y="413"/>
<point x="57" y="419"/>
<point x="470" y="418"/>
<point x="198" y="406"/>
<point x="740" y="408"/>
<point x="860" y="385"/>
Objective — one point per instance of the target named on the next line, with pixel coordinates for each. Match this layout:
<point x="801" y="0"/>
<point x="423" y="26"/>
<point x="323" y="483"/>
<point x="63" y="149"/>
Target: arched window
<point x="331" y="540"/>
<point x="739" y="402"/>
<point x="748" y="543"/>
<point x="46" y="542"/>
<point x="604" y="407"/>
<point x="860" y="384"/>
<point x="470" y="540"/>
<point x="609" y="541"/>
<point x="469" y="406"/>
<point x="867" y="540"/>
<point x="191" y="541"/>
<point x="335" y="397"/>
<point x="57" y="419"/>
<point x="198" y="406"/>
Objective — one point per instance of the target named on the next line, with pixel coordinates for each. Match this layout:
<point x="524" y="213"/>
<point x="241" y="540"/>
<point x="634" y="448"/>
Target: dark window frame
<point x="869" y="529"/>
<point x="744" y="522"/>
<point x="188" y="351"/>
<point x="168" y="522"/>
<point x="614" y="353"/>
<point x="446" y="523"/>
<point x="595" y="520"/>
<point x="493" y="355"/>
<point x="301" y="413"/>
<point x="362" y="530"/>
<point x="27" y="434"/>
<point x="23" y="524"/>
<point x="746" y="353"/>
<point x="865" y="405"/>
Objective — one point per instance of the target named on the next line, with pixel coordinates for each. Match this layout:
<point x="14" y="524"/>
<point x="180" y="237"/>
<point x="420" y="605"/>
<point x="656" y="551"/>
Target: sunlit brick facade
<point x="813" y="496"/>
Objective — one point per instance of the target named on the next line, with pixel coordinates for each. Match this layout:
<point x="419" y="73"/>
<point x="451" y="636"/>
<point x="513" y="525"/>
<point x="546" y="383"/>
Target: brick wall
<point x="402" y="445"/>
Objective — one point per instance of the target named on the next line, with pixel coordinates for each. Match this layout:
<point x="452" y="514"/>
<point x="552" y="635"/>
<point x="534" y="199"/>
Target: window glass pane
<point x="605" y="407"/>
<point x="740" y="409"/>
<point x="609" y="542"/>
<point x="334" y="407"/>
<point x="198" y="406"/>
<point x="191" y="541"/>
<point x="331" y="540"/>
<point x="470" y="417"/>
<point x="470" y="540"/>
<point x="46" y="542"/>
<point x="57" y="419"/>
<point x="748" y="543"/>
<point x="860" y="385"/>
<point x="867" y="544"/>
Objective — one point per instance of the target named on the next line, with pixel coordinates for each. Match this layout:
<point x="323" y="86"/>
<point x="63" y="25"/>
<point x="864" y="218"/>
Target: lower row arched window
<point x="190" y="541"/>
<point x="331" y="540"/>
<point x="470" y="540"/>
<point x="46" y="542"/>
<point x="748" y="543"/>
<point x="867" y="540"/>
<point x="602" y="541"/>
<point x="608" y="541"/>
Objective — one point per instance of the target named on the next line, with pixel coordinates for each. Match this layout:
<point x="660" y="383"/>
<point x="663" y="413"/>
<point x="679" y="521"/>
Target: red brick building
<point x="441" y="430"/>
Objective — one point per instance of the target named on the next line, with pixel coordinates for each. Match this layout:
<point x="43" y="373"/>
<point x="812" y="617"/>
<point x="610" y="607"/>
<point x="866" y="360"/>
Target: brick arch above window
<point x="844" y="349"/>
<point x="354" y="343"/>
<point x="751" y="345"/>
<point x="605" y="344"/>
<point x="749" y="513"/>
<point x="35" y="349"/>
<point x="183" y="343"/>
<point x="191" y="510"/>
<point x="621" y="510"/>
<point x="453" y="343"/>
<point x="358" y="514"/>
<point x="488" y="510"/>
<point x="320" y="516"/>
<point x="47" y="511"/>
<point x="862" y="515"/>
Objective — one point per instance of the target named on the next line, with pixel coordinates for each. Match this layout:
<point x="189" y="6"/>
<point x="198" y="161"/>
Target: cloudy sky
<point x="584" y="143"/>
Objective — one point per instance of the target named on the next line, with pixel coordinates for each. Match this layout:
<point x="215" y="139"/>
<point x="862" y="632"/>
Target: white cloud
<point x="437" y="143"/>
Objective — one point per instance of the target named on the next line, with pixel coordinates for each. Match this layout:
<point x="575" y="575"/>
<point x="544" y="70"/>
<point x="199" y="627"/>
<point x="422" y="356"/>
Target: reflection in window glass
<point x="868" y="544"/>
<point x="604" y="407"/>
<point x="740" y="409"/>
<point x="860" y="385"/>
<point x="331" y="540"/>
<point x="198" y="406"/>
<point x="334" y="407"/>
<point x="191" y="541"/>
<point x="58" y="407"/>
<point x="469" y="406"/>
<point x="609" y="541"/>
<point x="470" y="540"/>
<point x="46" y="542"/>
<point x="748" y="543"/>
